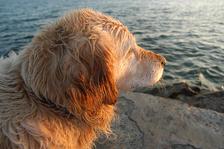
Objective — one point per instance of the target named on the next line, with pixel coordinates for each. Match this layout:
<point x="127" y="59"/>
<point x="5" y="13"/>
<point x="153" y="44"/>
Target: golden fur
<point x="60" y="91"/>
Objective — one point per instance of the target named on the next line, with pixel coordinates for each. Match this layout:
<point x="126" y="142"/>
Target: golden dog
<point x="59" y="92"/>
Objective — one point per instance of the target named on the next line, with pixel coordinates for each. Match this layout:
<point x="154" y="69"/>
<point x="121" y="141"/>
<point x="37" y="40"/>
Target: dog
<point x="60" y="91"/>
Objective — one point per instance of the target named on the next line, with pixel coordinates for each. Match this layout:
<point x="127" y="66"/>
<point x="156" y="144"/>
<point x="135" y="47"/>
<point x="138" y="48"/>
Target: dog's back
<point x="5" y="64"/>
<point x="12" y="102"/>
<point x="4" y="142"/>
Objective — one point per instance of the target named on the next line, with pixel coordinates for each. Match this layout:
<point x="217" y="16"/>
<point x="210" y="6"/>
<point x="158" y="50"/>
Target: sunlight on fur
<point x="59" y="92"/>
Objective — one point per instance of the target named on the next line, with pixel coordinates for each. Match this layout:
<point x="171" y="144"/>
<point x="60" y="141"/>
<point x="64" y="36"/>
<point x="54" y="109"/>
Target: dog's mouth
<point x="160" y="76"/>
<point x="156" y="76"/>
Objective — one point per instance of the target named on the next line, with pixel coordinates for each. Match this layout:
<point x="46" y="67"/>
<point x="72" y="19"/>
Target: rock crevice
<point x="153" y="122"/>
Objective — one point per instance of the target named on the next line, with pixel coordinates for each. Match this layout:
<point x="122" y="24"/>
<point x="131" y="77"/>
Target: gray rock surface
<point x="213" y="101"/>
<point x="152" y="122"/>
<point x="174" y="91"/>
<point x="191" y="95"/>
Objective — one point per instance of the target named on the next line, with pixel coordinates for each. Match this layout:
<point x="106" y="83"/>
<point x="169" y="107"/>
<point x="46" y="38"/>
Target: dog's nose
<point x="162" y="60"/>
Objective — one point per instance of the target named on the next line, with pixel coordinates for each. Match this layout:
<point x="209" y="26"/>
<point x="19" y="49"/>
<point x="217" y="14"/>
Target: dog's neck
<point x="57" y="109"/>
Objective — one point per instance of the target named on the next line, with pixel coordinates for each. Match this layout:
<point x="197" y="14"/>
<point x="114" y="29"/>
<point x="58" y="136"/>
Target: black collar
<point x="57" y="109"/>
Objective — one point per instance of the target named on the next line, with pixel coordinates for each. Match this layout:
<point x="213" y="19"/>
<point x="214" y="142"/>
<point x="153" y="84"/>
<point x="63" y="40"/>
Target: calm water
<point x="189" y="33"/>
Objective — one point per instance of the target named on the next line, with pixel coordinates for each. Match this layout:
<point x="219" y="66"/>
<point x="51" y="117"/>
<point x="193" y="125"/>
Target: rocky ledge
<point x="194" y="120"/>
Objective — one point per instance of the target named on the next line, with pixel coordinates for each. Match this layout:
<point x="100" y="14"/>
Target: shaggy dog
<point x="59" y="92"/>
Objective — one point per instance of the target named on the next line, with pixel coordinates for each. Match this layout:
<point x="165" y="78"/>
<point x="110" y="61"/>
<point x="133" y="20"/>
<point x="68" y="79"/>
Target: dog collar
<point x="57" y="109"/>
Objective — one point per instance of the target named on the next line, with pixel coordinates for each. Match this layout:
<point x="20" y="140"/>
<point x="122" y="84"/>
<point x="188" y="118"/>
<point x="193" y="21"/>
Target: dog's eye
<point x="129" y="53"/>
<point x="134" y="52"/>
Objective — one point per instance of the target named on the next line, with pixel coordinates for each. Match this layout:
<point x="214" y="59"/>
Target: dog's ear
<point x="89" y="69"/>
<point x="74" y="71"/>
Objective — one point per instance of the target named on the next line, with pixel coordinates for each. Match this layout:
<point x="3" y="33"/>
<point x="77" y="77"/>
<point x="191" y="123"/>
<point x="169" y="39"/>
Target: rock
<point x="151" y="122"/>
<point x="213" y="101"/>
<point x="173" y="91"/>
<point x="191" y="95"/>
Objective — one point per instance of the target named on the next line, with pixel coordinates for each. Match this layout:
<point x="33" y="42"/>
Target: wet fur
<point x="72" y="62"/>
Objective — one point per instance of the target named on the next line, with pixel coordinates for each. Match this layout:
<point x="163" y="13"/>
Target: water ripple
<point x="190" y="34"/>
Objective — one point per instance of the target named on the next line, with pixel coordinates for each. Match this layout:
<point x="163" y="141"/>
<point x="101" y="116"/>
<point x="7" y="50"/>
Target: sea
<point x="189" y="33"/>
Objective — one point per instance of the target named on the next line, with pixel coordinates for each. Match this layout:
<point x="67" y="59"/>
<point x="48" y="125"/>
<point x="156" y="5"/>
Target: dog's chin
<point x="157" y="77"/>
<point x="139" y="83"/>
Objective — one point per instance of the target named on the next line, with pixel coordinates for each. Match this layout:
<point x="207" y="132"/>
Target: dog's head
<point x="84" y="58"/>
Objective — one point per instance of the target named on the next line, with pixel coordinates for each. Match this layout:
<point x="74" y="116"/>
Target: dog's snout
<point x="153" y="56"/>
<point x="162" y="60"/>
